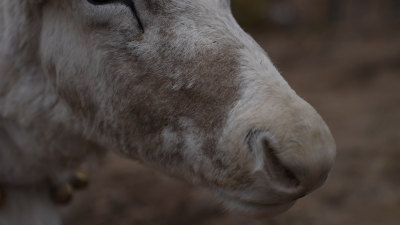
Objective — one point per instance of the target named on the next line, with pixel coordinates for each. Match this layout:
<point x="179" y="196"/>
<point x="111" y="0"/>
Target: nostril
<point x="276" y="169"/>
<point x="302" y="195"/>
<point x="259" y="143"/>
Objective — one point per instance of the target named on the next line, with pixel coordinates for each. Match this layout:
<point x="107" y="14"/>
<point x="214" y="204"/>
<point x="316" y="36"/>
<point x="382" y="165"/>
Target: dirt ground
<point x="353" y="80"/>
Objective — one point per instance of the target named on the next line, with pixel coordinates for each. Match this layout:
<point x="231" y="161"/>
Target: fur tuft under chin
<point x="33" y="207"/>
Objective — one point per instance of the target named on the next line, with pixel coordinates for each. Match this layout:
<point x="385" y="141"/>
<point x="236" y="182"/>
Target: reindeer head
<point x="178" y="85"/>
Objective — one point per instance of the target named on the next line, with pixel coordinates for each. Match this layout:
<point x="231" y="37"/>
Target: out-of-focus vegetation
<point x="316" y="14"/>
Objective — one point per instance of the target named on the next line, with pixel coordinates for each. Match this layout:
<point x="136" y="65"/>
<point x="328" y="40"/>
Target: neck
<point x="20" y="23"/>
<point x="39" y="137"/>
<point x="28" y="206"/>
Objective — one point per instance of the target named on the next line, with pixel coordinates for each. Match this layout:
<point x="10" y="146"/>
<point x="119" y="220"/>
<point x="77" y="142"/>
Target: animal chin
<point x="257" y="209"/>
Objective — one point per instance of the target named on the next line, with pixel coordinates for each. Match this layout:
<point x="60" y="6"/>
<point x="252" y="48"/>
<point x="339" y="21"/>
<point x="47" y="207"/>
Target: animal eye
<point x="102" y="2"/>
<point x="129" y="3"/>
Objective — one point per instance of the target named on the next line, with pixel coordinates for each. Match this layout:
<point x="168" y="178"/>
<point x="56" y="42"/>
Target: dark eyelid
<point x="128" y="3"/>
<point x="132" y="6"/>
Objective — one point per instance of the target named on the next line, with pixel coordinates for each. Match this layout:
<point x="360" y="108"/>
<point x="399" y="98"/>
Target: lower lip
<point x="261" y="205"/>
<point x="261" y="210"/>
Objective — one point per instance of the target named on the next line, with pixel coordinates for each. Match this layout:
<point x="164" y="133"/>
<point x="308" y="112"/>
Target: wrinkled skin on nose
<point x="183" y="96"/>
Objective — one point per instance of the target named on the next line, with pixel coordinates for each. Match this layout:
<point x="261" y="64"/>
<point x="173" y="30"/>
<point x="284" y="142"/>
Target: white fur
<point x="77" y="78"/>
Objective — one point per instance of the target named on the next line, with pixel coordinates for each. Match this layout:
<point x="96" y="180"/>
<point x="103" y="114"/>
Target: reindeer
<point x="174" y="84"/>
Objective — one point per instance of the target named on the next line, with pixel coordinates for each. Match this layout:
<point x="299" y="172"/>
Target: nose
<point x="290" y="170"/>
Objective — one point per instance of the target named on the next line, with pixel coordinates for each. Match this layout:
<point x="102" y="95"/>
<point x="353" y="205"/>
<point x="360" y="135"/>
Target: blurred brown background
<point x="343" y="56"/>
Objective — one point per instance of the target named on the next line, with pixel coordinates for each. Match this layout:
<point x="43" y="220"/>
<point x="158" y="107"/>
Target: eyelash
<point x="128" y="3"/>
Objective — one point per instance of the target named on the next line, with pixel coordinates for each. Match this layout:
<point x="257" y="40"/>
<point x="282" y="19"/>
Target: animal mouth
<point x="260" y="204"/>
<point x="257" y="209"/>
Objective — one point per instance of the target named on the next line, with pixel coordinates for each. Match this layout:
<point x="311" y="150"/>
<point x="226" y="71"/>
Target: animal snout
<point x="267" y="159"/>
<point x="290" y="171"/>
